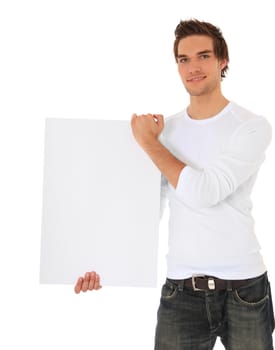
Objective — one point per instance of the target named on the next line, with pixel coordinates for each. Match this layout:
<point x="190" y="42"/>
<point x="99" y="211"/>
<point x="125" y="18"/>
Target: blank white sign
<point x="100" y="205"/>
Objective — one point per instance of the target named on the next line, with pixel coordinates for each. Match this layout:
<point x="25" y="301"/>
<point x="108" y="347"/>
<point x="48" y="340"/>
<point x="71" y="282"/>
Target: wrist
<point x="150" y="144"/>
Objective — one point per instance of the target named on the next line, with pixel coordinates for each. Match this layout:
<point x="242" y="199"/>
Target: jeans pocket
<point x="169" y="290"/>
<point x="256" y="293"/>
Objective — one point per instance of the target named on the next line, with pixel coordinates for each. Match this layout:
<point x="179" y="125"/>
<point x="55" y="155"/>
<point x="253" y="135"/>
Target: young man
<point x="209" y="156"/>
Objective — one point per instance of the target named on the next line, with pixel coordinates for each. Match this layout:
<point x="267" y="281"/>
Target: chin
<point x="195" y="93"/>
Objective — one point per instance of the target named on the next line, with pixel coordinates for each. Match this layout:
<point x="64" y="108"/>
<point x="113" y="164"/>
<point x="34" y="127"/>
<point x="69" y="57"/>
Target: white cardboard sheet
<point x="100" y="205"/>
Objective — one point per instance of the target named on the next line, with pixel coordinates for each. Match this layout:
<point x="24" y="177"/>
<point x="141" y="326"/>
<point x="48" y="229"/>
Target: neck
<point x="203" y="107"/>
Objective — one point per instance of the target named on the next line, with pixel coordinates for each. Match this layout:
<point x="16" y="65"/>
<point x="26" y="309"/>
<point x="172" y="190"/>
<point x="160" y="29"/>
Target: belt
<point x="205" y="283"/>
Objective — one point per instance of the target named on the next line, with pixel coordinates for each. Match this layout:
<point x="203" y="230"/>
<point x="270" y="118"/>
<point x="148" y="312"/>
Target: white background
<point x="104" y="59"/>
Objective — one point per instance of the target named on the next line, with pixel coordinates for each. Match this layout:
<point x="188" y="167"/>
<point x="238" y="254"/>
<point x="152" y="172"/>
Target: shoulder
<point x="248" y="120"/>
<point x="253" y="132"/>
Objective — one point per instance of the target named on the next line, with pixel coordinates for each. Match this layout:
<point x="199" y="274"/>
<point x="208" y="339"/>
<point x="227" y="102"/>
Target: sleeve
<point x="240" y="158"/>
<point x="164" y="187"/>
<point x="163" y="195"/>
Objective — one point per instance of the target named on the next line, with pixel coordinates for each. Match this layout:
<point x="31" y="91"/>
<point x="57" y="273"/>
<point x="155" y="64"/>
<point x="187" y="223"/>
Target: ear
<point x="223" y="64"/>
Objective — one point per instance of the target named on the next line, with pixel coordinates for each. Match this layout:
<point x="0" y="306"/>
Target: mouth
<point x="196" y="78"/>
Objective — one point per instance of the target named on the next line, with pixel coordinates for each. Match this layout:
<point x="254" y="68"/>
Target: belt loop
<point x="229" y="285"/>
<point x="180" y="285"/>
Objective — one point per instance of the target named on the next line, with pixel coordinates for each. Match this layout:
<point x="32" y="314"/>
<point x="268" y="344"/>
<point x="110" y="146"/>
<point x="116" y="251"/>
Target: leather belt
<point x="205" y="283"/>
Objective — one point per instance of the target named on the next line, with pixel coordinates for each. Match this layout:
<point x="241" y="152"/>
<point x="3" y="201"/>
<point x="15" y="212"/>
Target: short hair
<point x="195" y="27"/>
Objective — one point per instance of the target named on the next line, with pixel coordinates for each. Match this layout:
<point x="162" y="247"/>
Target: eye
<point x="182" y="60"/>
<point x="204" y="56"/>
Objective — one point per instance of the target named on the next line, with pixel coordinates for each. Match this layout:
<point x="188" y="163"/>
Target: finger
<point x="159" y="117"/>
<point x="133" y="120"/>
<point x="97" y="282"/>
<point x="155" y="117"/>
<point x="134" y="116"/>
<point x="92" y="281"/>
<point x="78" y="285"/>
<point x="85" y="284"/>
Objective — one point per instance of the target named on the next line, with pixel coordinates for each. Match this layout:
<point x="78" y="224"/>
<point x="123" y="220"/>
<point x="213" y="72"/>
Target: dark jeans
<point x="192" y="320"/>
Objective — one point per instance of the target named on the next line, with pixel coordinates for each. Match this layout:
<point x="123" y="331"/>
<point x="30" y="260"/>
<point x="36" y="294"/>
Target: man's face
<point x="199" y="68"/>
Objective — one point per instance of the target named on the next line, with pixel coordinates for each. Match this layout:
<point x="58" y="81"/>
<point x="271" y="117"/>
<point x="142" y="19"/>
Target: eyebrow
<point x="198" y="53"/>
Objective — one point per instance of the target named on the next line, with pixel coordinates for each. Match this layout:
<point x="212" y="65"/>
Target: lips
<point x="196" y="78"/>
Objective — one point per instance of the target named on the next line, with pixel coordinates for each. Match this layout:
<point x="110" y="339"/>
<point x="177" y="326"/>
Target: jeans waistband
<point x="208" y="283"/>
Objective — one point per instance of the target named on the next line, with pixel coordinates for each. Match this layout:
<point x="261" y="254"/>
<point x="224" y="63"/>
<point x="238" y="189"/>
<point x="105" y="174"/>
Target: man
<point x="209" y="156"/>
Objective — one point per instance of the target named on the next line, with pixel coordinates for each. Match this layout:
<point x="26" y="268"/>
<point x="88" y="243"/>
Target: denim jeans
<point x="192" y="320"/>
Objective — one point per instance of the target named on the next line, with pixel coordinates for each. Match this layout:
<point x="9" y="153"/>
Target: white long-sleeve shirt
<point x="211" y="229"/>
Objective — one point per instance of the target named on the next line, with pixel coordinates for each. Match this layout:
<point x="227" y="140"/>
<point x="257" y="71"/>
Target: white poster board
<point x="101" y="204"/>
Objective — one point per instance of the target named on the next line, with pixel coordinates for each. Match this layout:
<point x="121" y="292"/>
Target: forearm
<point x="146" y="130"/>
<point x="168" y="165"/>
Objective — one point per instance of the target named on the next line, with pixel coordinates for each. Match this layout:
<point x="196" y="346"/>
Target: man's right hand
<point x="90" y="281"/>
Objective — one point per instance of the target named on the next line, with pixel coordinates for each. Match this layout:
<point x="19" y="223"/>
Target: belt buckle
<point x="194" y="282"/>
<point x="210" y="281"/>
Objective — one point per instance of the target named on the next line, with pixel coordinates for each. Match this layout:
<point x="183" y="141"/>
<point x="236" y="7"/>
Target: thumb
<point x="160" y="119"/>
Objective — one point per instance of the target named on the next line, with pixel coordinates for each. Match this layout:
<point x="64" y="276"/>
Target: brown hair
<point x="196" y="27"/>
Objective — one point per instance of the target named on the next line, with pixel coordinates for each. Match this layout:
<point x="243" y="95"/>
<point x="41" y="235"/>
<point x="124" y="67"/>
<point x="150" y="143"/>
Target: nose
<point x="194" y="68"/>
